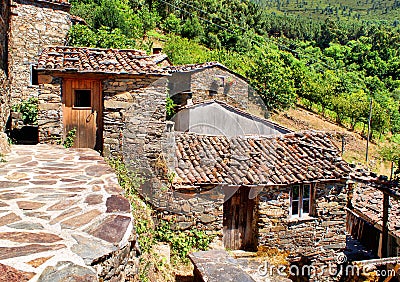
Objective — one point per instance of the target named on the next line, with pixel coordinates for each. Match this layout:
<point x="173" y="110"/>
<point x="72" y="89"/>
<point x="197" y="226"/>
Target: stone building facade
<point x="4" y="82"/>
<point x="213" y="81"/>
<point x="319" y="236"/>
<point x="33" y="26"/>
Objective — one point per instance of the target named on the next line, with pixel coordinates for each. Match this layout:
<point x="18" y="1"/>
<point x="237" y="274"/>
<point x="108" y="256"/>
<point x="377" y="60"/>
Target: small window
<point x="83" y="99"/>
<point x="34" y="76"/>
<point x="300" y="200"/>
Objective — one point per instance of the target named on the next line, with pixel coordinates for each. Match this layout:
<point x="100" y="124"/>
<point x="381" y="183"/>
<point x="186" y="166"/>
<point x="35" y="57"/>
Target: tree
<point x="272" y="80"/>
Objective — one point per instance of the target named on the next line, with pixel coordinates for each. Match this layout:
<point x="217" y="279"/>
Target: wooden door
<point x="240" y="222"/>
<point x="82" y="110"/>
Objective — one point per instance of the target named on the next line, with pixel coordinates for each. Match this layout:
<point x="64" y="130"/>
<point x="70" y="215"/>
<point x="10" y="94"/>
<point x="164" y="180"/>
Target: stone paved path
<point x="59" y="209"/>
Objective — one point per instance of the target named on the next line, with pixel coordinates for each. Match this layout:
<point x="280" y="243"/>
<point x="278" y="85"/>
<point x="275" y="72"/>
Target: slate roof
<point x="257" y="160"/>
<point x="369" y="202"/>
<point x="93" y="60"/>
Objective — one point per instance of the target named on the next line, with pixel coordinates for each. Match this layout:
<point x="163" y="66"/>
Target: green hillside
<point x="333" y="67"/>
<point x="340" y="9"/>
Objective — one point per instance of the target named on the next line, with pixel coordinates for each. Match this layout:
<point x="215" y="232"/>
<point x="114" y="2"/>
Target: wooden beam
<point x="385" y="217"/>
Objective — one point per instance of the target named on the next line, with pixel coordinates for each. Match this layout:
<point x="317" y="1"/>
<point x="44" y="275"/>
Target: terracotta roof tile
<point x="91" y="60"/>
<point x="257" y="160"/>
<point x="57" y="2"/>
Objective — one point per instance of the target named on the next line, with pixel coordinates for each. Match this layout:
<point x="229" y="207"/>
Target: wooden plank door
<point x="240" y="222"/>
<point x="82" y="110"/>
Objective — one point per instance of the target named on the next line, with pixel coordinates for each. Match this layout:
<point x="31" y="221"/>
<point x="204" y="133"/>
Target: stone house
<point x="213" y="81"/>
<point x="113" y="98"/>
<point x="287" y="191"/>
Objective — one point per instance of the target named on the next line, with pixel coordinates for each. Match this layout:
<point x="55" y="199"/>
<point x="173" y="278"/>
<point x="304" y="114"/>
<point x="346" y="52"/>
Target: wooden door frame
<point x="248" y="240"/>
<point x="99" y="117"/>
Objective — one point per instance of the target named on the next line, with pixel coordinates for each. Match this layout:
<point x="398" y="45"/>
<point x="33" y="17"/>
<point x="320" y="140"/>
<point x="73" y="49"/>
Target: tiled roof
<point x="91" y="60"/>
<point x="369" y="202"/>
<point x="257" y="160"/>
<point x="58" y="2"/>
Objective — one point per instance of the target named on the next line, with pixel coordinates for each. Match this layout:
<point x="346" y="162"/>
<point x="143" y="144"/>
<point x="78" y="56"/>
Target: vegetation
<point x="70" y="138"/>
<point x="333" y="65"/>
<point x="170" y="107"/>
<point x="29" y="110"/>
<point x="150" y="233"/>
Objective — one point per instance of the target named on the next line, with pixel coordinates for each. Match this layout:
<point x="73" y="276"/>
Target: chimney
<point x="157" y="50"/>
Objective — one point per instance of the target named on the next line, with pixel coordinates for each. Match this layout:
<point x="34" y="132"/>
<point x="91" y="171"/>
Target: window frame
<point x="300" y="206"/>
<point x="74" y="99"/>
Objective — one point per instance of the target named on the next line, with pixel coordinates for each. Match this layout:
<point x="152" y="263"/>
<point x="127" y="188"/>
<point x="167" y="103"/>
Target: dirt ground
<point x="355" y="143"/>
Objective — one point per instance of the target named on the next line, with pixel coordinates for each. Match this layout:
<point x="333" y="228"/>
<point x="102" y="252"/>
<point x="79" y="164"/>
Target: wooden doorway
<point x="82" y="110"/>
<point x="240" y="221"/>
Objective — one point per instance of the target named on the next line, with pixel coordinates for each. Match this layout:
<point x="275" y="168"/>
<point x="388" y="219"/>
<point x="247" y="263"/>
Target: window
<point x="34" y="76"/>
<point x="300" y="200"/>
<point x="83" y="99"/>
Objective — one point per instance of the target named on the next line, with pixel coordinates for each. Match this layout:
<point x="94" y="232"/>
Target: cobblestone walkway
<point x="61" y="211"/>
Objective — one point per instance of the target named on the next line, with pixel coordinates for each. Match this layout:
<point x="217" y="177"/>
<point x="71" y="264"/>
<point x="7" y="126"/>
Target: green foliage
<point x="336" y="63"/>
<point x="172" y="24"/>
<point x="29" y="110"/>
<point x="104" y="37"/>
<point x="70" y="138"/>
<point x="170" y="107"/>
<point x="272" y="79"/>
<point x="391" y="152"/>
<point x="182" y="242"/>
<point x="129" y="180"/>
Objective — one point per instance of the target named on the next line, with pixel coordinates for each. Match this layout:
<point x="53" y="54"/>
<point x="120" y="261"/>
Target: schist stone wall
<point x="134" y="118"/>
<point x="33" y="25"/>
<point x="4" y="83"/>
<point x="319" y="236"/>
<point x="218" y="84"/>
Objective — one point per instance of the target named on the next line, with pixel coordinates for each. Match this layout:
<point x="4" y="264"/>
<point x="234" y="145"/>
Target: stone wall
<point x="134" y="118"/>
<point x="194" y="209"/>
<point x="50" y="116"/>
<point x="4" y="83"/>
<point x="318" y="236"/>
<point x="4" y="16"/>
<point x="4" y="100"/>
<point x="219" y="84"/>
<point x="33" y="26"/>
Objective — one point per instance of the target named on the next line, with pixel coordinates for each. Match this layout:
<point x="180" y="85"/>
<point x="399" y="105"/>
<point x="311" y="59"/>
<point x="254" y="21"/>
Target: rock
<point x="80" y="220"/>
<point x="207" y="218"/>
<point x="112" y="229"/>
<point x="11" y="252"/>
<point x="27" y="237"/>
<point x="9" y="218"/>
<point x="67" y="272"/>
<point x="10" y="274"/>
<point x="91" y="249"/>
<point x="5" y="148"/>
<point x="117" y="203"/>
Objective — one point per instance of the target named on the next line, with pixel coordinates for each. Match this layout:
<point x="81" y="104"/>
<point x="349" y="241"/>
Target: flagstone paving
<point x="60" y="211"/>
